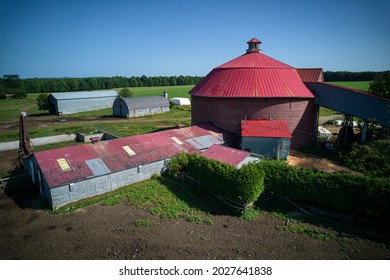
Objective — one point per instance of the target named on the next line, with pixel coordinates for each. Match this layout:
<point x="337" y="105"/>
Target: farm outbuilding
<point x="270" y="139"/>
<point x="69" y="174"/>
<point x="180" y="101"/>
<point x="234" y="157"/>
<point x="140" y="106"/>
<point x="80" y="101"/>
<point x="256" y="86"/>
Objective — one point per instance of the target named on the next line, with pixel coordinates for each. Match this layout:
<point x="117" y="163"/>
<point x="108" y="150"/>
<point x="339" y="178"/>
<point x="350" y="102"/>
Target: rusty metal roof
<point x="104" y="157"/>
<point x="265" y="128"/>
<point x="311" y="74"/>
<point x="225" y="154"/>
<point x="252" y="74"/>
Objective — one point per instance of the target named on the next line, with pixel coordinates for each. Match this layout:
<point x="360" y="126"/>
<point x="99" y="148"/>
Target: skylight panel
<point x="177" y="140"/>
<point x="129" y="151"/>
<point x="64" y="165"/>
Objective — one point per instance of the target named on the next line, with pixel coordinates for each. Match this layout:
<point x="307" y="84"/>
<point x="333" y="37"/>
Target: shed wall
<point x="98" y="185"/>
<point x="267" y="147"/>
<point x="69" y="106"/>
<point x="299" y="113"/>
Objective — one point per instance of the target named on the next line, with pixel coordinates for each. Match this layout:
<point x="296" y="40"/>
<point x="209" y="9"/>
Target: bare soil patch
<point x="110" y="232"/>
<point x="299" y="159"/>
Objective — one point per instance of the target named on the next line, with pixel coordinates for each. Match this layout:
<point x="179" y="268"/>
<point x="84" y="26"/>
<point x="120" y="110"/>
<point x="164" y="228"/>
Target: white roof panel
<point x="84" y="94"/>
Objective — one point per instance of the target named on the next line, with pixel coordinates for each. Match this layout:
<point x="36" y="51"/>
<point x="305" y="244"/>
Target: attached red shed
<point x="270" y="139"/>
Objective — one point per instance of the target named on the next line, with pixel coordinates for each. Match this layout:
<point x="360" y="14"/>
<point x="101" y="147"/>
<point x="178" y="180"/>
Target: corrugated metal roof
<point x="84" y="94"/>
<point x="225" y="154"/>
<point x="253" y="74"/>
<point x="134" y="103"/>
<point x="311" y="74"/>
<point x="265" y="128"/>
<point x="91" y="160"/>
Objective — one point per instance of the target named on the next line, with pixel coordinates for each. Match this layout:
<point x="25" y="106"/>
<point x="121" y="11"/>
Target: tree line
<point x="93" y="83"/>
<point x="12" y="84"/>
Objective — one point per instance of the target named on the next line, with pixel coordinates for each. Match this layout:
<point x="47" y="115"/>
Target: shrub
<point x="347" y="192"/>
<point x="126" y="92"/>
<point x="43" y="101"/>
<point x="241" y="185"/>
<point x="371" y="159"/>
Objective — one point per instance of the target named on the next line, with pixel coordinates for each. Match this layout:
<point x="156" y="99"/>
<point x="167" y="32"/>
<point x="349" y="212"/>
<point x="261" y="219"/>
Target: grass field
<point x="10" y="109"/>
<point x="360" y="85"/>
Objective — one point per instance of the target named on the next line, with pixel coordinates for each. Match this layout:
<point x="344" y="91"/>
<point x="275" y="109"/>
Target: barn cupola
<point x="253" y="46"/>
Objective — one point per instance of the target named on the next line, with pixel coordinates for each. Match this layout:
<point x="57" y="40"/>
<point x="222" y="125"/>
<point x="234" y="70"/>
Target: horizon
<point x="80" y="39"/>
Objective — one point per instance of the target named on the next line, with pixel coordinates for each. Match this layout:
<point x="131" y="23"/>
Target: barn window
<point x="177" y="140"/>
<point x="64" y="164"/>
<point x="129" y="151"/>
<point x="272" y="117"/>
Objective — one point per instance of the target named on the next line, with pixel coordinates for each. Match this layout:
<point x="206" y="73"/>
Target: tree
<point x="43" y="101"/>
<point x="126" y="92"/>
<point x="381" y="85"/>
<point x="13" y="84"/>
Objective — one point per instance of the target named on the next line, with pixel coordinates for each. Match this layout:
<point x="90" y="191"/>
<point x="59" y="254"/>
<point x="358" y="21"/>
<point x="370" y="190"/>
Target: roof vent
<point x="253" y="46"/>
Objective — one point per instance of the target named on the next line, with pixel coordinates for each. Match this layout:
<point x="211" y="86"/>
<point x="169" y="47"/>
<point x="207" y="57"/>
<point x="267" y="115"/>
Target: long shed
<point x="80" y="101"/>
<point x="140" y="106"/>
<point x="69" y="174"/>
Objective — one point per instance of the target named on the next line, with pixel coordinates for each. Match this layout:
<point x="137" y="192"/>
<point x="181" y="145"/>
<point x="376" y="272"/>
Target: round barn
<point x="255" y="86"/>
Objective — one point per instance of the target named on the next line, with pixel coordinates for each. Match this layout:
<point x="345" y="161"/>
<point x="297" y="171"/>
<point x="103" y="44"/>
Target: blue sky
<point x="67" y="38"/>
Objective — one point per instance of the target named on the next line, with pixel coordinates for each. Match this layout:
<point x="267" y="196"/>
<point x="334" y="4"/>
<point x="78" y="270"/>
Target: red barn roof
<point x="225" y="154"/>
<point x="265" y="128"/>
<point x="253" y="74"/>
<point x="311" y="74"/>
<point x="66" y="165"/>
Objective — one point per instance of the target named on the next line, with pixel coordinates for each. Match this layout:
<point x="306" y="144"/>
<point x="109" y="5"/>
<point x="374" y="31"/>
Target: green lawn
<point x="173" y="91"/>
<point x="10" y="109"/>
<point x="360" y="85"/>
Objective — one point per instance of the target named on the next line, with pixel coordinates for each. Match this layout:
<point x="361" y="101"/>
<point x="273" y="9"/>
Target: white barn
<point x="80" y="101"/>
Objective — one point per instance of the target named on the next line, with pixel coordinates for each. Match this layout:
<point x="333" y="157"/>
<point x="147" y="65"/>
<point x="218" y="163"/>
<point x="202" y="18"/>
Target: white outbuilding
<point x="180" y="101"/>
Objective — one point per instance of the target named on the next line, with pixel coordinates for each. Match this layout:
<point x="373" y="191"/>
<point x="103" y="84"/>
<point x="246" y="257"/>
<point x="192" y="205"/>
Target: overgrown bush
<point x="125" y="93"/>
<point x="177" y="165"/>
<point x="371" y="159"/>
<point x="347" y="192"/>
<point x="241" y="185"/>
<point x="43" y="101"/>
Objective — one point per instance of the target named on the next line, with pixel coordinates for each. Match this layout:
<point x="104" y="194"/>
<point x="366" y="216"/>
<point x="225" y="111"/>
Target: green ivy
<point x="241" y="185"/>
<point x="347" y="192"/>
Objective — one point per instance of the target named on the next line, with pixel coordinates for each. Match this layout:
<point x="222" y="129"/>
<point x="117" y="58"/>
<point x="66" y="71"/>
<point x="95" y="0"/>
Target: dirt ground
<point x="109" y="232"/>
